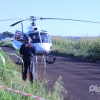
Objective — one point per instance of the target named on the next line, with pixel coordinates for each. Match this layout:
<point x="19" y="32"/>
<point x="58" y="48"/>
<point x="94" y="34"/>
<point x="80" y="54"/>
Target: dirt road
<point x="80" y="77"/>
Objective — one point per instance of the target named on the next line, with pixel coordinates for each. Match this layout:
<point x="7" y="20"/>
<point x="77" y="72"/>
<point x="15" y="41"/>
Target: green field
<point x="86" y="47"/>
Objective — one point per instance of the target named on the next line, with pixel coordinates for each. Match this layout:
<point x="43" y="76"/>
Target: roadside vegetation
<point x="10" y="73"/>
<point x="10" y="76"/>
<point x="85" y="47"/>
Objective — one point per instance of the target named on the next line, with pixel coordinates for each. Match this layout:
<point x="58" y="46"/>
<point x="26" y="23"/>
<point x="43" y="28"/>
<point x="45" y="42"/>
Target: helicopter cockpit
<point x="40" y="37"/>
<point x="35" y="37"/>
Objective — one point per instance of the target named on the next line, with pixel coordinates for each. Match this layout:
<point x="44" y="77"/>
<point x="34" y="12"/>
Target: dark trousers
<point x="28" y="65"/>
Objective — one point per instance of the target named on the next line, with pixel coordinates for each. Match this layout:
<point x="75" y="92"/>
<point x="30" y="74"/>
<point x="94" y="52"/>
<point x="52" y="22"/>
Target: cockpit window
<point x="35" y="37"/>
<point x="45" y="38"/>
<point x="38" y="38"/>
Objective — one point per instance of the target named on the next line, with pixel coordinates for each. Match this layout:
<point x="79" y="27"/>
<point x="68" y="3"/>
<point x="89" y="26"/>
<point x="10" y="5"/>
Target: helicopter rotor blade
<point x="10" y="19"/>
<point x="16" y="23"/>
<point x="19" y="22"/>
<point x="33" y="18"/>
<point x="41" y="18"/>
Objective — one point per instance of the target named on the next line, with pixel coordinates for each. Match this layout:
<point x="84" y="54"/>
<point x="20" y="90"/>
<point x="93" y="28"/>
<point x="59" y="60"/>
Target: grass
<point x="83" y="48"/>
<point x="10" y="76"/>
<point x="6" y="43"/>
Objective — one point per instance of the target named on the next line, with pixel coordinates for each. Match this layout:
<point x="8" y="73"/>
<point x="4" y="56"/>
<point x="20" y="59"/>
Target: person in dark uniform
<point x="27" y="51"/>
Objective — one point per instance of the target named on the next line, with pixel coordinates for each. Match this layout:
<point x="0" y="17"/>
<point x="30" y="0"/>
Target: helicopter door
<point x="19" y="36"/>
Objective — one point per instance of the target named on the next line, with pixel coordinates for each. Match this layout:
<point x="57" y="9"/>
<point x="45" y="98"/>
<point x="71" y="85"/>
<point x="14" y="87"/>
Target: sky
<point x="88" y="10"/>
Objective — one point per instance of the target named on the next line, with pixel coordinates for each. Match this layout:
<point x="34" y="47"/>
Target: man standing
<point x="27" y="51"/>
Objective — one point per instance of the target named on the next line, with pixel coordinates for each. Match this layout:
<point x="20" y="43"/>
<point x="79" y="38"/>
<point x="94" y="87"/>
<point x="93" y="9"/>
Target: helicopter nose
<point x="43" y="48"/>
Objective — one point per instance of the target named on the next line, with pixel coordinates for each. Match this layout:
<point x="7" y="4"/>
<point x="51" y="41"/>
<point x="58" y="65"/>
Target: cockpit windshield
<point x="45" y="37"/>
<point x="38" y="38"/>
<point x="35" y="37"/>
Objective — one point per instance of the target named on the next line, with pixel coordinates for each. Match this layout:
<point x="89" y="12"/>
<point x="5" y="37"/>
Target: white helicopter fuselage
<point x="40" y="40"/>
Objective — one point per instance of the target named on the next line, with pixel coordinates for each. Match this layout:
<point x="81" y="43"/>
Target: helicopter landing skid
<point x="50" y="59"/>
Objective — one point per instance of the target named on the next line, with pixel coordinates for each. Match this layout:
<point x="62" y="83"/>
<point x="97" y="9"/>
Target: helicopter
<point x="39" y="38"/>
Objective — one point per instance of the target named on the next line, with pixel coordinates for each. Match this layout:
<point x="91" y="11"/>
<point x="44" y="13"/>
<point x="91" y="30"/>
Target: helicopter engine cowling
<point x="32" y="28"/>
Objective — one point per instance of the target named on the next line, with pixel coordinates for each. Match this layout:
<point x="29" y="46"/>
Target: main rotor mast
<point x="33" y="20"/>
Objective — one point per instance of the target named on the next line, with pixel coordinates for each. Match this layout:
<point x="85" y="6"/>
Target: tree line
<point x="6" y="34"/>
